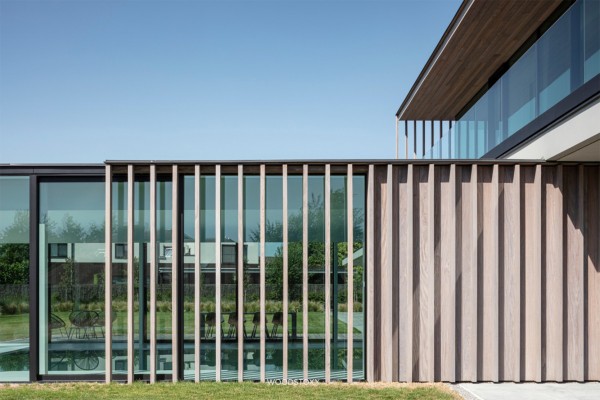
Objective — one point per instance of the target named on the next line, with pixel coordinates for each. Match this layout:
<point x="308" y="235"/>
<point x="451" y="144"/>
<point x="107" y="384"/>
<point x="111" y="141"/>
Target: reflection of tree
<point x="316" y="245"/>
<point x="14" y="257"/>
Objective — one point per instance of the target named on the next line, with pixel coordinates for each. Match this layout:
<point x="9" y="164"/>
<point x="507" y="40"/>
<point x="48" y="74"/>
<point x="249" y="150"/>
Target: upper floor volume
<point x="509" y="79"/>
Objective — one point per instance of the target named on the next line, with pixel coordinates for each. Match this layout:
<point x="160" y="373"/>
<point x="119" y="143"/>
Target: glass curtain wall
<point x="119" y="275"/>
<point x="561" y="61"/>
<point x="71" y="276"/>
<point x="358" y="255"/>
<point x="14" y="279"/>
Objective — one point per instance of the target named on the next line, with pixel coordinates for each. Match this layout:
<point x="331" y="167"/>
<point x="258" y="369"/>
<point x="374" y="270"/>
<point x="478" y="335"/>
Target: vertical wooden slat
<point x="152" y="273"/>
<point x="406" y="279"/>
<point x="533" y="276"/>
<point x="469" y="277"/>
<point x="448" y="276"/>
<point x="240" y="274"/>
<point x="386" y="283"/>
<point x="130" y="274"/>
<point x="263" y="321"/>
<point x="218" y="273"/>
<point x="554" y="275"/>
<point x="512" y="274"/>
<point x="592" y="234"/>
<point x="197" y="274"/>
<point x="305" y="272"/>
<point x="370" y="350"/>
<point x="108" y="274"/>
<point x="327" y="273"/>
<point x="575" y="269"/>
<point x="350" y="279"/>
<point x="175" y="274"/>
<point x="284" y="186"/>
<point x="426" y="272"/>
<point x="489" y="315"/>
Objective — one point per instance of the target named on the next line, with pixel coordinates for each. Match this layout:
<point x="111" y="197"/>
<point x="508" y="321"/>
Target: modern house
<point x="476" y="257"/>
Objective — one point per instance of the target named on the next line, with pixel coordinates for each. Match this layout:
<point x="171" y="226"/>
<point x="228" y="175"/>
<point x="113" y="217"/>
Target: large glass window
<point x="14" y="279"/>
<point x="564" y="58"/>
<point x="71" y="276"/>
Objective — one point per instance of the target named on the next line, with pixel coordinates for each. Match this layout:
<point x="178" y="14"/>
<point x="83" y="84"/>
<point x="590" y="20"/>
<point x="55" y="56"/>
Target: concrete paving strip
<point x="529" y="391"/>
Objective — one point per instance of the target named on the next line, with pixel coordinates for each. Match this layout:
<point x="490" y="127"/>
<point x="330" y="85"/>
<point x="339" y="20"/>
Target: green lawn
<point x="246" y="391"/>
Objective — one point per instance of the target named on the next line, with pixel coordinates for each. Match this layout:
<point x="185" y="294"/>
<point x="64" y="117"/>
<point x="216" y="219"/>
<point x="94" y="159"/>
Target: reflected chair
<point x="211" y="322"/>
<point x="256" y="322"/>
<point x="277" y="321"/>
<point x="233" y="325"/>
<point x="57" y="322"/>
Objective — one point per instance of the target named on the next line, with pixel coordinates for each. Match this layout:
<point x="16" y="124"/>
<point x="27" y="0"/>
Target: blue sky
<point x="86" y="81"/>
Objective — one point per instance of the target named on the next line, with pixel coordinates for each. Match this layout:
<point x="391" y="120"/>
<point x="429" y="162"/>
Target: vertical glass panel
<point x="164" y="277"/>
<point x="14" y="279"/>
<point x="119" y="274"/>
<point x="71" y="254"/>
<point x="207" y="278"/>
<point x="274" y="277"/>
<point x="316" y="277"/>
<point x="554" y="61"/>
<point x="357" y="253"/>
<point x="189" y="259"/>
<point x="229" y="225"/>
<point x="591" y="41"/>
<point x="339" y="276"/>
<point x="251" y="277"/>
<point x="295" y="277"/>
<point x="521" y="91"/>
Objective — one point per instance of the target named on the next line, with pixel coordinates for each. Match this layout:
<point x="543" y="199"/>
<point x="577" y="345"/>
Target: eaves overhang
<point x="480" y="39"/>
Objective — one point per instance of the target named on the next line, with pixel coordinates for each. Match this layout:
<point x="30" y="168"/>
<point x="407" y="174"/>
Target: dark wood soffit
<point x="488" y="34"/>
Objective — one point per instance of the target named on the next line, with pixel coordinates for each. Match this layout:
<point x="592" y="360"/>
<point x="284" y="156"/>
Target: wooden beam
<point x="370" y="295"/>
<point x="197" y="274"/>
<point x="240" y="274"/>
<point x="130" y="274"/>
<point x="284" y="186"/>
<point x="153" y="274"/>
<point x="263" y="321"/>
<point x="327" y="273"/>
<point x="108" y="274"/>
<point x="218" y="273"/>
<point x="350" y="271"/>
<point x="175" y="245"/>
<point x="305" y="271"/>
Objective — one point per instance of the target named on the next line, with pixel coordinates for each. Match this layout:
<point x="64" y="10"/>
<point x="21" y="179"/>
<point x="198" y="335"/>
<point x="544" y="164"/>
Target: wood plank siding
<point x="475" y="271"/>
<point x="497" y="272"/>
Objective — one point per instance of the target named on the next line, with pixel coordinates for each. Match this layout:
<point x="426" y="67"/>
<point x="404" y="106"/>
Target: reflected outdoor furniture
<point x="101" y="320"/>
<point x="277" y="321"/>
<point x="256" y="322"/>
<point x="57" y="322"/>
<point x="233" y="325"/>
<point x="83" y="321"/>
<point x="86" y="360"/>
<point x="211" y="321"/>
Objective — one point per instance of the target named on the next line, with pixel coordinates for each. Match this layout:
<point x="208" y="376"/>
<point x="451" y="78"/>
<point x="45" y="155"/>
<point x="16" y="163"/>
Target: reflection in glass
<point x="14" y="280"/>
<point x="71" y="299"/>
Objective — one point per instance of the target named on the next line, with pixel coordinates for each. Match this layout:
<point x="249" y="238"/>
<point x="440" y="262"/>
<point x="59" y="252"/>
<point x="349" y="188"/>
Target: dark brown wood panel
<point x="487" y="35"/>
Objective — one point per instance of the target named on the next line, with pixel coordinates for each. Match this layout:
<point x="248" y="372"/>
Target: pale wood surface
<point x="153" y="273"/>
<point x="575" y="267"/>
<point x="554" y="275"/>
<point x="108" y="274"/>
<point x="197" y="273"/>
<point x="130" y="274"/>
<point x="448" y="273"/>
<point x="406" y="275"/>
<point x="533" y="274"/>
<point x="489" y="315"/>
<point x="175" y="246"/>
<point x="350" y="296"/>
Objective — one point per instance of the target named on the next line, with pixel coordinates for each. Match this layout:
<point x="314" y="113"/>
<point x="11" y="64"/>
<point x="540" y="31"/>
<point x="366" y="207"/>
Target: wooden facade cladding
<point x="475" y="271"/>
<point x="495" y="272"/>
